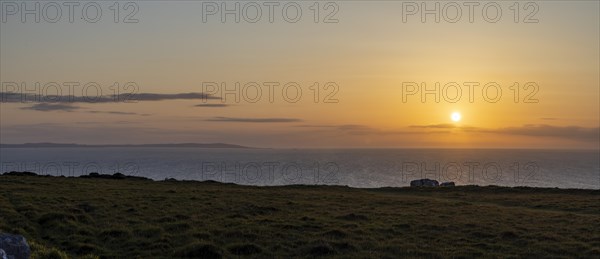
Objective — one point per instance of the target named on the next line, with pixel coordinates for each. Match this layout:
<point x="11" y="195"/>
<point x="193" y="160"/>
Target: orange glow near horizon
<point x="399" y="84"/>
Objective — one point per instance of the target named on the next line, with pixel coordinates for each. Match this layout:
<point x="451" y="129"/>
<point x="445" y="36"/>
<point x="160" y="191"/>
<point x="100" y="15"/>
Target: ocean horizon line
<point x="222" y="145"/>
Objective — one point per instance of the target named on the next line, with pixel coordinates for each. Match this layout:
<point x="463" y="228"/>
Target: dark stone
<point x="14" y="246"/>
<point x="424" y="183"/>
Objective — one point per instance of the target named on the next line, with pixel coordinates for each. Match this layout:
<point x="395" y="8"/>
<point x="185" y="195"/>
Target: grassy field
<point x="108" y="218"/>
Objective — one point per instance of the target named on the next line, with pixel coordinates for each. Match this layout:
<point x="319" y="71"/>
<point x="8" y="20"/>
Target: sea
<point x="364" y="168"/>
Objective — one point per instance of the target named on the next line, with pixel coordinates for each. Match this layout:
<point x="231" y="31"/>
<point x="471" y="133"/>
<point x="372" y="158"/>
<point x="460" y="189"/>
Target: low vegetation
<point x="123" y="217"/>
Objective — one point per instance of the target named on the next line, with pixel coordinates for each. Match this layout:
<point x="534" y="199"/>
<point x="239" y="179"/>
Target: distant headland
<point x="73" y="145"/>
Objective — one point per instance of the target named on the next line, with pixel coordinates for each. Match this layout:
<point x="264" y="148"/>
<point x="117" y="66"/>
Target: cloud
<point x="254" y="120"/>
<point x="315" y="126"/>
<point x="357" y="129"/>
<point x="446" y="126"/>
<point x="66" y="103"/>
<point x="104" y="123"/>
<point x="568" y="132"/>
<point x="119" y="113"/>
<point x="340" y="127"/>
<point x="434" y="126"/>
<point x="211" y="105"/>
<point x="46" y="107"/>
<point x="51" y="107"/>
<point x="7" y="97"/>
<point x="180" y="96"/>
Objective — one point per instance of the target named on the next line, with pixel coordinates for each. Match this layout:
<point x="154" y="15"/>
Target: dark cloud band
<point x="254" y="120"/>
<point x="7" y="97"/>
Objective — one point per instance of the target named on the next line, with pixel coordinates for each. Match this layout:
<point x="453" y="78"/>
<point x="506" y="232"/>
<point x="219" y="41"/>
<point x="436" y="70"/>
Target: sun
<point x="455" y="116"/>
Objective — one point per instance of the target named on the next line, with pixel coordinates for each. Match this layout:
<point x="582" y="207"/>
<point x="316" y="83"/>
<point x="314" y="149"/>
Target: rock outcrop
<point x="14" y="247"/>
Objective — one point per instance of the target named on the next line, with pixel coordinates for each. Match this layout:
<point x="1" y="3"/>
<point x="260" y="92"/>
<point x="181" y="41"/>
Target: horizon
<point x="300" y="148"/>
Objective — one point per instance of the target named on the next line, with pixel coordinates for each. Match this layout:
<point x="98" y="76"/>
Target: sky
<point x="355" y="74"/>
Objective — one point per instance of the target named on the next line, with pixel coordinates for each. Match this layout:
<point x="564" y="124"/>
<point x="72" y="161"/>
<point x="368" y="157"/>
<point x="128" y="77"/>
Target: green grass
<point x="107" y="218"/>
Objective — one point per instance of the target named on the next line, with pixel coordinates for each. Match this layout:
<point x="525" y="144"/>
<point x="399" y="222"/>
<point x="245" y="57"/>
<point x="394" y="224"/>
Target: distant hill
<point x="62" y="145"/>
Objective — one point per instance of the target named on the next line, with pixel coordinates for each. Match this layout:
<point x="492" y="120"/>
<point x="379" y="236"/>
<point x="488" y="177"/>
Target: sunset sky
<point x="370" y="53"/>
